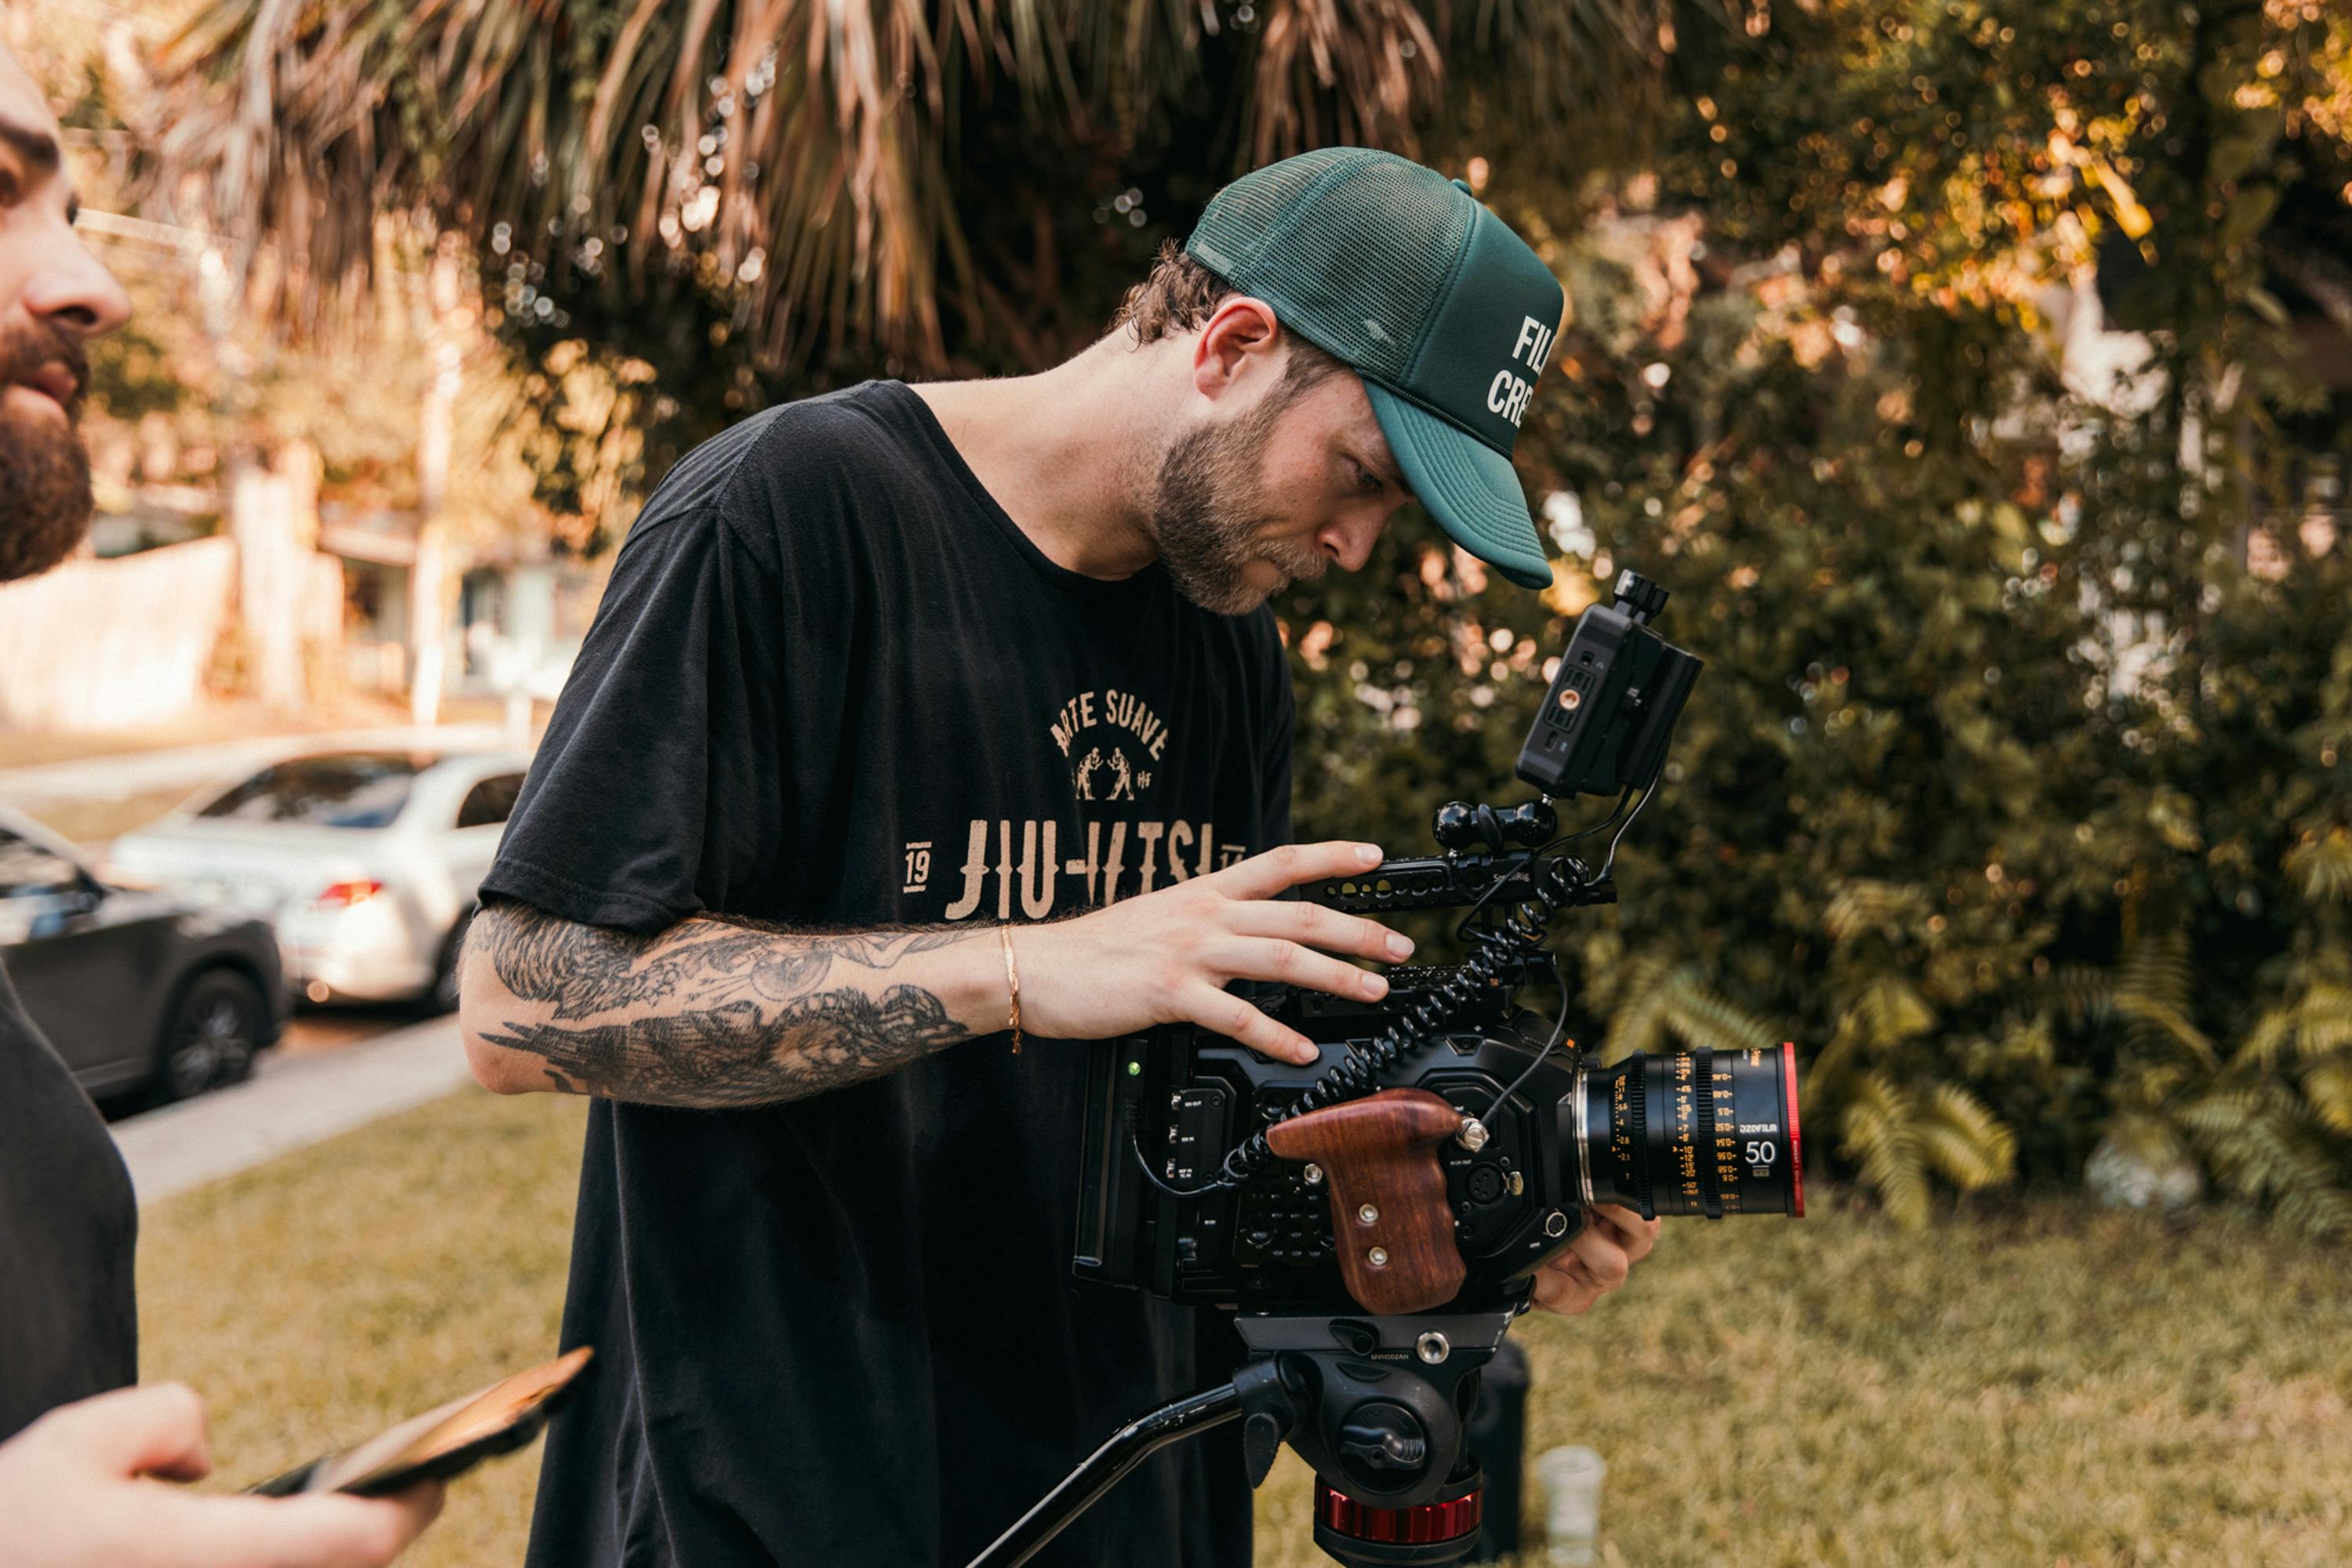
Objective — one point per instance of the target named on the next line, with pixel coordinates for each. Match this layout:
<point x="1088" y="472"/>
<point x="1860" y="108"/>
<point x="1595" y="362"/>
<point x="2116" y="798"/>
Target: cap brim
<point x="1468" y="486"/>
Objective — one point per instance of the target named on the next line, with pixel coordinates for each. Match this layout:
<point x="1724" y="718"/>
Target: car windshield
<point x="345" y="789"/>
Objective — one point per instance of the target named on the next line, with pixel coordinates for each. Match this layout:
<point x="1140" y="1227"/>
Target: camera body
<point x="1186" y="1095"/>
<point x="1180" y="1191"/>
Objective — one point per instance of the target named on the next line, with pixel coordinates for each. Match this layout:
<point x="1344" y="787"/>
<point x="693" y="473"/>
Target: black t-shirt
<point x="832" y="683"/>
<point x="69" y="1224"/>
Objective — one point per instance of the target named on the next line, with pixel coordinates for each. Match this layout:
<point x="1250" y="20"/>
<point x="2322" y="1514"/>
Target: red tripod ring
<point x="1448" y="1518"/>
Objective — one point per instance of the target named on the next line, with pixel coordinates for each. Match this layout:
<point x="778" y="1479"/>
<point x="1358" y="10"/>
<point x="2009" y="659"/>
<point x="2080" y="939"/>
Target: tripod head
<point x="1377" y="1406"/>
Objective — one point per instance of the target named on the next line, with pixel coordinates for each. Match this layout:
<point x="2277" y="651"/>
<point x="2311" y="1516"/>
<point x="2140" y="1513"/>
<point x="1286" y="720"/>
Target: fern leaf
<point x="2322" y="868"/>
<point x="1639" y="1022"/>
<point x="1863" y="906"/>
<point x="1891" y="1011"/>
<point x="1880" y="1132"/>
<point x="2329" y="1089"/>
<point x="2327" y="1024"/>
<point x="2259" y="1150"/>
<point x="1963" y="1141"/>
<point x="2273" y="1034"/>
<point x="1702" y="1019"/>
<point x="2084" y="994"/>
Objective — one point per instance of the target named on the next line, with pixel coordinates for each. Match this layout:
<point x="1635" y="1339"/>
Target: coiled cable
<point x="1496" y="952"/>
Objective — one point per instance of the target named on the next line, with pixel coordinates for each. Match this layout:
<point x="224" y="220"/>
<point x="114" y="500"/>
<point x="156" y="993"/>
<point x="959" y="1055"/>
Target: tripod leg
<point x="1106" y="1467"/>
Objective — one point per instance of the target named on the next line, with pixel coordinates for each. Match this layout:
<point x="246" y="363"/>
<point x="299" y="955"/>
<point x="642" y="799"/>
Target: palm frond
<point x="799" y="154"/>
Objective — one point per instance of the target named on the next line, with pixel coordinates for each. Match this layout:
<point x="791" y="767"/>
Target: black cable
<point x="1559" y="1029"/>
<point x="1143" y="1162"/>
<point x="1520" y="932"/>
<point x="1649" y="787"/>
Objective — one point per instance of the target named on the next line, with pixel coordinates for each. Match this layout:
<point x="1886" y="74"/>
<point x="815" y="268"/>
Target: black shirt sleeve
<point x="654" y="794"/>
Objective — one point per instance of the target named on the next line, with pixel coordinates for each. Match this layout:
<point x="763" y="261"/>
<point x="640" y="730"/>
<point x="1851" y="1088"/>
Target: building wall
<point x="98" y="645"/>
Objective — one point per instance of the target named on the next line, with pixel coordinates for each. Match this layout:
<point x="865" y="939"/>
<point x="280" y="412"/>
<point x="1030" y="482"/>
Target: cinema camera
<point x="1376" y="1218"/>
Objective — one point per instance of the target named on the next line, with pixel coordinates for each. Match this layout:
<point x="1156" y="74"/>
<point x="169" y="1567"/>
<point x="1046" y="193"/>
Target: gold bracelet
<point x="1012" y="984"/>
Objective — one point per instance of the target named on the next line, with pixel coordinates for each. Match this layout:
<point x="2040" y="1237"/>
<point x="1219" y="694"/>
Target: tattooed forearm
<point x="711" y="1013"/>
<point x="733" y="1055"/>
<point x="587" y="970"/>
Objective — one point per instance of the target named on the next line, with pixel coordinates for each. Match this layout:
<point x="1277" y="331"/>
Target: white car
<point x="369" y="862"/>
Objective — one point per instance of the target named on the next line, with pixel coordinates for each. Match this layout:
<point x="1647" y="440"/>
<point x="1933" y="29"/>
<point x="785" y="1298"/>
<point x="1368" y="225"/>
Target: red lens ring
<point x="1450" y="1519"/>
<point x="1796" y="1134"/>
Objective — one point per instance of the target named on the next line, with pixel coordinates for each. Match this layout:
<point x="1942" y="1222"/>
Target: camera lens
<point x="1704" y="1132"/>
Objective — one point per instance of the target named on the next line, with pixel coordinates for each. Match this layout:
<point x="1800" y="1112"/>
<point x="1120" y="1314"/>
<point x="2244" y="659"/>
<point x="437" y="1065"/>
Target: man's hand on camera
<point x="86" y="1487"/>
<point x="1164" y="957"/>
<point x="1596" y="1262"/>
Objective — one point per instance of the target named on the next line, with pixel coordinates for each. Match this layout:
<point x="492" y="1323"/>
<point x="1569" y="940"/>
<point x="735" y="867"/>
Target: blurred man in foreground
<point x="82" y="1478"/>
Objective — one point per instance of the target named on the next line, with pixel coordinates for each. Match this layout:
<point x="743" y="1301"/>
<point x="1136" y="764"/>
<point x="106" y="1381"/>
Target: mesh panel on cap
<point x="1242" y="216"/>
<point x="1359" y="266"/>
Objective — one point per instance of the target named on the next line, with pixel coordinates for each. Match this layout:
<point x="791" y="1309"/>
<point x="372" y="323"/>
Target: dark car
<point x="137" y="989"/>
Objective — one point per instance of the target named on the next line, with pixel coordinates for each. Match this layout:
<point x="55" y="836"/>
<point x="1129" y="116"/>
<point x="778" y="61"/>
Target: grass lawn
<point x="2046" y="1387"/>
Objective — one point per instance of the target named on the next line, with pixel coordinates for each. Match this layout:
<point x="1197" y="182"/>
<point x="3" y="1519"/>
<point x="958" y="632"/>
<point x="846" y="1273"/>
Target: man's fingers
<point x="330" y="1531"/>
<point x="1272" y="958"/>
<point x="1229" y="1016"/>
<point x="1562" y="1286"/>
<point x="1635" y="1234"/>
<point x="1281" y="869"/>
<point x="157" y="1430"/>
<point x="1325" y="927"/>
<point x="1596" y="1247"/>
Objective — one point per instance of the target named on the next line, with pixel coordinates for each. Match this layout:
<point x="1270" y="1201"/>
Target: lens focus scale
<point x="1704" y="1133"/>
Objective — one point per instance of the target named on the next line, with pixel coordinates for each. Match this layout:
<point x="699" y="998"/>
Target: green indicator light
<point x="1134" y="1069"/>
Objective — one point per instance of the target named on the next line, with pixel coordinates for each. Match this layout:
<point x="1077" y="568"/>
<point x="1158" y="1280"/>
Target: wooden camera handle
<point x="1389" y="1213"/>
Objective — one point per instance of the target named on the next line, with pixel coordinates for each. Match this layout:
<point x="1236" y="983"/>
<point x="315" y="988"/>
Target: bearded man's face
<point x="54" y="297"/>
<point x="1211" y="513"/>
<point x="1242" y="507"/>
<point x="44" y="500"/>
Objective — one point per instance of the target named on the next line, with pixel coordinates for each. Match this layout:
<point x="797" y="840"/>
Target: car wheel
<point x="212" y="1035"/>
<point x="443" y="998"/>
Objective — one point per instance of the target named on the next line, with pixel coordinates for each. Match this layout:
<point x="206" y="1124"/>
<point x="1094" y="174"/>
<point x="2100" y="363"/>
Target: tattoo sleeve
<point x="714" y="1012"/>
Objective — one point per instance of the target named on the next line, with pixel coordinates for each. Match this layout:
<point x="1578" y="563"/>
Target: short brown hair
<point x="1180" y="295"/>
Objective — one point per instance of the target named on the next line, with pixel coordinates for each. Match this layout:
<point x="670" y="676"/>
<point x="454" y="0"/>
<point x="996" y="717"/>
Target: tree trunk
<point x="274" y="518"/>
<point x="430" y="581"/>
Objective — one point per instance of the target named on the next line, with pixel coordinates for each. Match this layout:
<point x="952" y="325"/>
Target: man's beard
<point x="44" y="500"/>
<point x="1209" y="516"/>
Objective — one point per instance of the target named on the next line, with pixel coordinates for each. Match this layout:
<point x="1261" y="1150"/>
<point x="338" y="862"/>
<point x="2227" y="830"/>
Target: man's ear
<point x="1240" y="341"/>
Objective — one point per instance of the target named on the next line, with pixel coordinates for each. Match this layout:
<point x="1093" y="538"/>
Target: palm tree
<point x="798" y="183"/>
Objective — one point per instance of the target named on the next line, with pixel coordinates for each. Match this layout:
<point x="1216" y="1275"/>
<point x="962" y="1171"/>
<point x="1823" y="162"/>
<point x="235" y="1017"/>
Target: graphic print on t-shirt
<point x="1112" y="744"/>
<point x="1095" y="731"/>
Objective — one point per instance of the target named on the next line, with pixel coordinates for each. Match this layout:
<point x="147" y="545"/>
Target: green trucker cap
<point x="1445" y="314"/>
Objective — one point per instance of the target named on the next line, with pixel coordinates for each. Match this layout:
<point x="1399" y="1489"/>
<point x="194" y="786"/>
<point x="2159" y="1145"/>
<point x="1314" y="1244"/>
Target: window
<point x="490" y="802"/>
<point x="29" y="872"/>
<point x="341" y="789"/>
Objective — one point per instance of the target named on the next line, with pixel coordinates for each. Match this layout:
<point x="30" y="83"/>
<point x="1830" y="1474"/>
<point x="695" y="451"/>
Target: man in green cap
<point x="888" y="683"/>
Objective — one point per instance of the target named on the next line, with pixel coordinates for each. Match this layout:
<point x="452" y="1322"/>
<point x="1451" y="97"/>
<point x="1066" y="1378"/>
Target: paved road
<point x="295" y="1099"/>
<point x="185" y="767"/>
<point x="330" y="1028"/>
